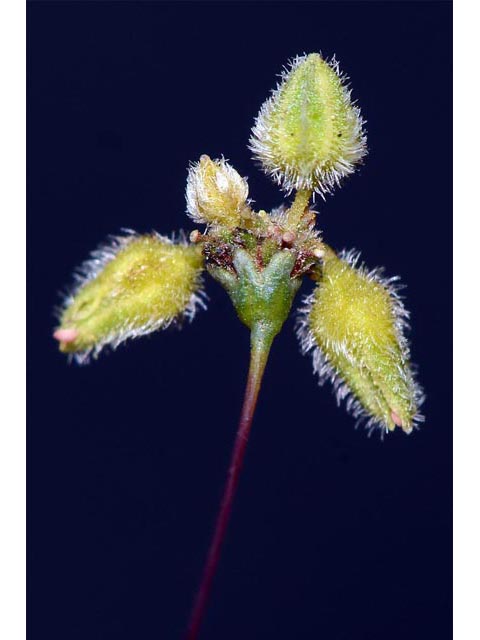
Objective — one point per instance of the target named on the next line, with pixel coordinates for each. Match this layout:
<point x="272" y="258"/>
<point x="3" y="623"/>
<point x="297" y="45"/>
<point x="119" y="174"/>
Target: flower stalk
<point x="298" y="209"/>
<point x="260" y="342"/>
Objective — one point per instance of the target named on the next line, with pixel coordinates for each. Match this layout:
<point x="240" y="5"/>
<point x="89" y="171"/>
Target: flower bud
<point x="216" y="193"/>
<point x="133" y="286"/>
<point x="309" y="134"/>
<point x="354" y="323"/>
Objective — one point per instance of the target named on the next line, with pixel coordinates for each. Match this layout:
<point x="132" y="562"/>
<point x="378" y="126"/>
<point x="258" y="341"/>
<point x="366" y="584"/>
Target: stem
<point x="261" y="342"/>
<point x="297" y="210"/>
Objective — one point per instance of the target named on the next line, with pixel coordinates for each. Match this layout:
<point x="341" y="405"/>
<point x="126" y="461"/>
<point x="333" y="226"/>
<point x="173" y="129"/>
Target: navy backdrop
<point x="334" y="535"/>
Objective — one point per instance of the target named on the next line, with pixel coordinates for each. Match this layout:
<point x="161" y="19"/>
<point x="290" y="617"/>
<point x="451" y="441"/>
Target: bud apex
<point x="354" y="323"/>
<point x="308" y="134"/>
<point x="216" y="193"/>
<point x="133" y="286"/>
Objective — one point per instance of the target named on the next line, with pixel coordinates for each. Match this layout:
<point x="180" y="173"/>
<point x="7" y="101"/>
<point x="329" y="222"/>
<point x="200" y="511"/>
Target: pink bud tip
<point x="396" y="418"/>
<point x="66" y="335"/>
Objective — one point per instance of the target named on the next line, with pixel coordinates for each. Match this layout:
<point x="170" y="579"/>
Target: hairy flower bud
<point x="216" y="193"/>
<point x="308" y="134"/>
<point x="354" y="323"/>
<point x="133" y="286"/>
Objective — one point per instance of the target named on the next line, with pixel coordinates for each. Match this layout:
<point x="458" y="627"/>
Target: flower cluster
<point x="308" y="136"/>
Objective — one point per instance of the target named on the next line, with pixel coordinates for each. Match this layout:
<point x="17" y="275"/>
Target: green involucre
<point x="309" y="135"/>
<point x="134" y="286"/>
<point x="354" y="322"/>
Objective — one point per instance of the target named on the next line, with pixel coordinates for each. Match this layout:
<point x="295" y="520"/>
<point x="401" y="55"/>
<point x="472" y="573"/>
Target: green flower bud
<point x="354" y="323"/>
<point x="132" y="286"/>
<point x="216" y="193"/>
<point x="309" y="134"/>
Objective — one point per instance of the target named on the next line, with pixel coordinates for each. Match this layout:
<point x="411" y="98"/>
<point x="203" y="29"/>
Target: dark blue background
<point x="334" y="535"/>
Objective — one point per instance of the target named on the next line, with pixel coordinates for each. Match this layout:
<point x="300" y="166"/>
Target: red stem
<point x="260" y="348"/>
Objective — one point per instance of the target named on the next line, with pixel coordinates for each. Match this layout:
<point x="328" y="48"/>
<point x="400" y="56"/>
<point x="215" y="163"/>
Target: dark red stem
<point x="260" y="348"/>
